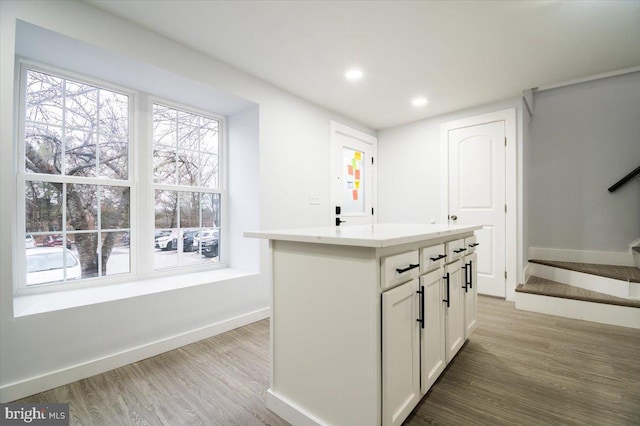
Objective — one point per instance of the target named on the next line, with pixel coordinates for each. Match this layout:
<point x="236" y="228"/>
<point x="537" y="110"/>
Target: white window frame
<point x="140" y="182"/>
<point x="221" y="189"/>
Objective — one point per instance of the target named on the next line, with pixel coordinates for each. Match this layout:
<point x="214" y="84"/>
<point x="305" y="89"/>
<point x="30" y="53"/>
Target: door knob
<point x="454" y="217"/>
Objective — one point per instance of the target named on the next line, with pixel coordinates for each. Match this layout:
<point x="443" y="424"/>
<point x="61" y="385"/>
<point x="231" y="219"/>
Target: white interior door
<point x="477" y="196"/>
<point x="353" y="188"/>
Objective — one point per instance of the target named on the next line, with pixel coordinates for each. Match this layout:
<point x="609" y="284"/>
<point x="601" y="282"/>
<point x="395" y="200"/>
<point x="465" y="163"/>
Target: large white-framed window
<point x="187" y="185"/>
<point x="84" y="178"/>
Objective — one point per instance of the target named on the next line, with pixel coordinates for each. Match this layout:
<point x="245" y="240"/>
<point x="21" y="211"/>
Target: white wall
<point x="410" y="173"/>
<point x="45" y="350"/>
<point x="584" y="138"/>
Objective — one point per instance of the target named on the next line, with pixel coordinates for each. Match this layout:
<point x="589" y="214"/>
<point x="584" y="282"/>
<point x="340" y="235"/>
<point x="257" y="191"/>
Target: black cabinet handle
<point x="459" y="250"/>
<point x="466" y="280"/>
<point x="339" y="221"/>
<point x="421" y="293"/>
<point x="446" y="277"/>
<point x="441" y="256"/>
<point x="408" y="268"/>
<point x="470" y="264"/>
<point x="474" y="245"/>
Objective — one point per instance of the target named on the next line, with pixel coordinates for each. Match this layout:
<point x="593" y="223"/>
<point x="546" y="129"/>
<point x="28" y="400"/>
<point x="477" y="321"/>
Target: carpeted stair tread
<point x="544" y="287"/>
<point x="624" y="273"/>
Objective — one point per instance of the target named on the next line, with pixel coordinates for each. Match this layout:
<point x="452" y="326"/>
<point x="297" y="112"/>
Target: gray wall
<point x="582" y="139"/>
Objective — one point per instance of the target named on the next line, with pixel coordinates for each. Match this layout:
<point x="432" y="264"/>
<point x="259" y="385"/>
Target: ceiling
<point x="457" y="54"/>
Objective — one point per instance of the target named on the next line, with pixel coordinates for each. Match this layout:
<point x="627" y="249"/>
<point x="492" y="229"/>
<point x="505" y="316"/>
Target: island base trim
<point x="290" y="412"/>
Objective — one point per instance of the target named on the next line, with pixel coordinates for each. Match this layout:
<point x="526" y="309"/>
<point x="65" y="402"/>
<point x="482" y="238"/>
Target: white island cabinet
<point x="360" y="327"/>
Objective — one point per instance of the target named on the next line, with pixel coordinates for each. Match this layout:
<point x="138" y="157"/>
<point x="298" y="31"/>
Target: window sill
<point x="41" y="303"/>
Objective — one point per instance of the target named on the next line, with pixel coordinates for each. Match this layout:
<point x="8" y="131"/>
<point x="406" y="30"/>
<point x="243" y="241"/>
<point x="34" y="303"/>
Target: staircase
<point x="606" y="294"/>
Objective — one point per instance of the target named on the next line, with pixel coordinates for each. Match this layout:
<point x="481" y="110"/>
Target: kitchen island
<point x="365" y="318"/>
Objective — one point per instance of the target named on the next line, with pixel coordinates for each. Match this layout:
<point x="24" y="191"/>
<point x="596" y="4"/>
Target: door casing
<point x="338" y="129"/>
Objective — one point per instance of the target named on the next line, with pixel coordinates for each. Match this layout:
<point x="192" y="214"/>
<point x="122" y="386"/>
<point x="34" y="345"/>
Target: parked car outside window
<point x="170" y="241"/>
<point x="56" y="241"/>
<point x="208" y="242"/>
<point x="30" y="242"/>
<point x="47" y="264"/>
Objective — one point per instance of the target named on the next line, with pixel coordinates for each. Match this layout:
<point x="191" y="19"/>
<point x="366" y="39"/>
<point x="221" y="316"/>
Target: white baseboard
<point x="582" y="256"/>
<point x="591" y="282"/>
<point x="31" y="386"/>
<point x="624" y="316"/>
<point x="290" y="411"/>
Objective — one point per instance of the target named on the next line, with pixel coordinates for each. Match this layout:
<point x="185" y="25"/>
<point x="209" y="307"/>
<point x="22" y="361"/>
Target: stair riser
<point x="597" y="283"/>
<point x="624" y="316"/>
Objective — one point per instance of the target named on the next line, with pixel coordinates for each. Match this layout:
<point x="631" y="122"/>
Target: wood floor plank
<point x="518" y="368"/>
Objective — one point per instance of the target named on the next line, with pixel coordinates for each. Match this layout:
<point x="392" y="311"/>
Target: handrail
<point x="625" y="179"/>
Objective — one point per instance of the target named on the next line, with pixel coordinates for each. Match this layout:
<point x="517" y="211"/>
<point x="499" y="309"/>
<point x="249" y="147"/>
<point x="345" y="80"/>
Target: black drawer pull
<point x="474" y="245"/>
<point x="466" y="280"/>
<point x="442" y="256"/>
<point x="447" y="301"/>
<point x="459" y="250"/>
<point x="408" y="268"/>
<point x="421" y="319"/>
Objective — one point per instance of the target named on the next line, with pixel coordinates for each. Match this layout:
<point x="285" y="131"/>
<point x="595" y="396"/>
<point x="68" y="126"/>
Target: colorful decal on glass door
<point x="353" y="178"/>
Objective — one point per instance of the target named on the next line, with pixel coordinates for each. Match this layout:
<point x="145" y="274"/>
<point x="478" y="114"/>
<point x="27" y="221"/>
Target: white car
<point x="46" y="265"/>
<point x="30" y="242"/>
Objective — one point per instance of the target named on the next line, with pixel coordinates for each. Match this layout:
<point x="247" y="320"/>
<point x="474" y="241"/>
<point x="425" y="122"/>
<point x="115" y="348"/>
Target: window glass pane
<point x="81" y="106"/>
<point x="189" y="209"/>
<point x="43" y="149"/>
<point x="72" y="109"/>
<point x="210" y="210"/>
<point x="166" y="209"/>
<point x="190" y="140"/>
<point x="43" y="206"/>
<point x="209" y="136"/>
<point x="114" y="158"/>
<point x="166" y="243"/>
<point x="188" y="136"/>
<point x="82" y="207"/>
<point x="209" y="170"/>
<point x="116" y="256"/>
<point x="164" y="166"/>
<point x="80" y="153"/>
<point x="188" y="167"/>
<point x="85" y="245"/>
<point x="51" y="264"/>
<point x="114" y="114"/>
<point x="353" y="181"/>
<point x="164" y="126"/>
<point x="44" y="97"/>
<point x="114" y="207"/>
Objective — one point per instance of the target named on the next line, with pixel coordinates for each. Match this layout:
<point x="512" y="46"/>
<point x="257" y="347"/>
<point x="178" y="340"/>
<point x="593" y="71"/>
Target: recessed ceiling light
<point x="419" y="101"/>
<point x="353" y="74"/>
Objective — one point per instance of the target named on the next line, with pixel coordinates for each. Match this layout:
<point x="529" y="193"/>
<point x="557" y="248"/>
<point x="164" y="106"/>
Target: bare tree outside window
<point x="186" y="165"/>
<point x="77" y="130"/>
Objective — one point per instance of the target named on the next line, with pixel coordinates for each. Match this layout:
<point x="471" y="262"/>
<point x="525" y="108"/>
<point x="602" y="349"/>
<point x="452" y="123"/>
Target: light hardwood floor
<point x="517" y="368"/>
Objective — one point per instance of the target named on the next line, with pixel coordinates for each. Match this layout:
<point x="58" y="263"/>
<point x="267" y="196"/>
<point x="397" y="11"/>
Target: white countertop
<point x="378" y="236"/>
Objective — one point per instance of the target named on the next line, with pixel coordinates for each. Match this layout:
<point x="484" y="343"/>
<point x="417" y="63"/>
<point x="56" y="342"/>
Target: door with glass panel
<point x="353" y="190"/>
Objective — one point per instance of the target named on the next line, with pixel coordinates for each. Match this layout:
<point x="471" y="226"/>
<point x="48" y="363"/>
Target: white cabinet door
<point x="432" y="332"/>
<point x="470" y="281"/>
<point x="454" y="302"/>
<point x="400" y="353"/>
